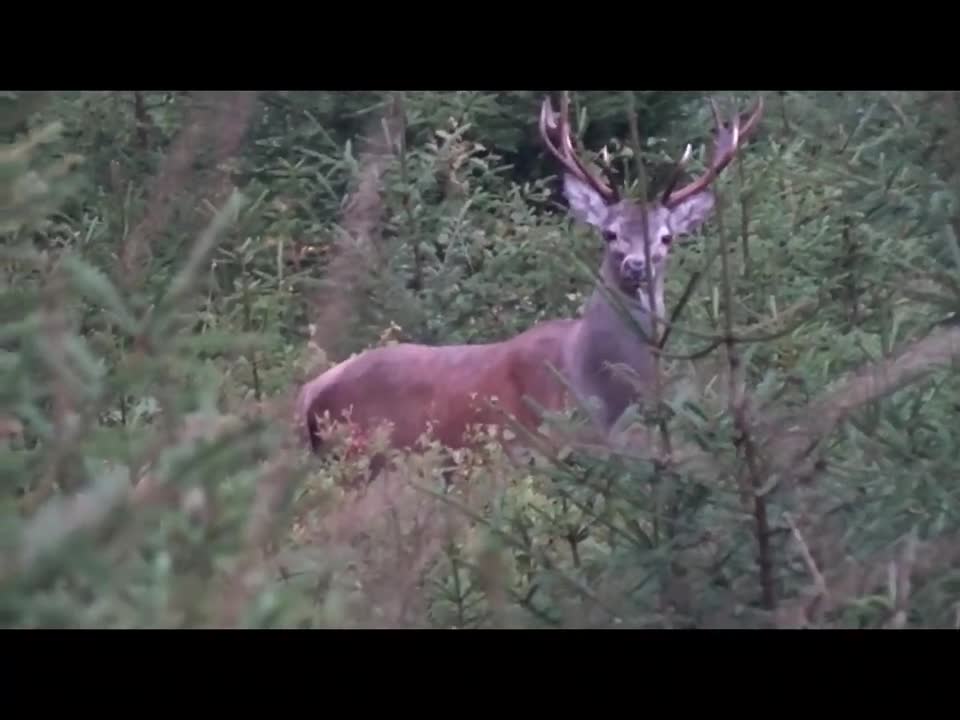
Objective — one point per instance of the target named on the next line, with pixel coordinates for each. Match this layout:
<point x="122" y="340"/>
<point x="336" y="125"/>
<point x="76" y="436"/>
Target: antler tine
<point x="611" y="187"/>
<point x="716" y="113"/>
<point x="548" y="121"/>
<point x="676" y="173"/>
<point x="566" y="153"/>
<point x="724" y="149"/>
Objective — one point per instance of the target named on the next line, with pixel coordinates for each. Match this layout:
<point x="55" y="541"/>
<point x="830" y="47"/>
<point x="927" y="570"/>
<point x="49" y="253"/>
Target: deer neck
<point x="609" y="356"/>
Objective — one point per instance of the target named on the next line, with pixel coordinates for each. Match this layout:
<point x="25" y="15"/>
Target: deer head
<point x="629" y="227"/>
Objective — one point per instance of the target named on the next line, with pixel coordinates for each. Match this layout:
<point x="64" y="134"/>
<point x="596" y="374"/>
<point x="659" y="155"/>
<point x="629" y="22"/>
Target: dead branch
<point x="218" y="120"/>
<point x="792" y="440"/>
<point x="357" y="249"/>
<point x="910" y="562"/>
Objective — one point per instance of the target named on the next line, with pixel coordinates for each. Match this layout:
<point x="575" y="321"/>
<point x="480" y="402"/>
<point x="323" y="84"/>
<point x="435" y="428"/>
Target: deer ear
<point x="586" y="204"/>
<point x="693" y="212"/>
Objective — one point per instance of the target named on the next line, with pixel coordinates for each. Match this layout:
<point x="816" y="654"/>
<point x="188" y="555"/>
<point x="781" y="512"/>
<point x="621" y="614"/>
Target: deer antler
<point x="677" y="172"/>
<point x="561" y="147"/>
<point x="725" y="146"/>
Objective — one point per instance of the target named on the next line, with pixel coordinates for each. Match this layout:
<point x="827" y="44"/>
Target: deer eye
<point x="666" y="239"/>
<point x="609" y="235"/>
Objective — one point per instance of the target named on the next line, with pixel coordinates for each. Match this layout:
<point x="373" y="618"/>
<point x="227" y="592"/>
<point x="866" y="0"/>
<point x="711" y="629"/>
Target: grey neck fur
<point x="604" y="339"/>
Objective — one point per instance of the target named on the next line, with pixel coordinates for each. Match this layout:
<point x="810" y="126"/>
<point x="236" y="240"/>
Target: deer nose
<point x="633" y="266"/>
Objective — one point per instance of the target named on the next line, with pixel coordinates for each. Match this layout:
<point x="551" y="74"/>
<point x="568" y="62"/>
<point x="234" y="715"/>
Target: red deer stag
<point x="451" y="386"/>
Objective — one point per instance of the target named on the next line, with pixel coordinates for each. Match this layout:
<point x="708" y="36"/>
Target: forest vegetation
<point x="175" y="265"/>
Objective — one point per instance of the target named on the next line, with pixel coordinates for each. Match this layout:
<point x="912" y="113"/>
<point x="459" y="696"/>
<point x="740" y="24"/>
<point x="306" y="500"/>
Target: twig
<point x="819" y="581"/>
<point x="854" y="579"/>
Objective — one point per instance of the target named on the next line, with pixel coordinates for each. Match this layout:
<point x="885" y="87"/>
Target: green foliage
<point x="164" y="293"/>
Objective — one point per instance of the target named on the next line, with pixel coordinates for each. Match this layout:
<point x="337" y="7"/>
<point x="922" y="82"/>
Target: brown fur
<point x="399" y="384"/>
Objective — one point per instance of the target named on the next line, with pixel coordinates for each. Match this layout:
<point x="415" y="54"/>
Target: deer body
<point x="411" y="385"/>
<point x="451" y="387"/>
